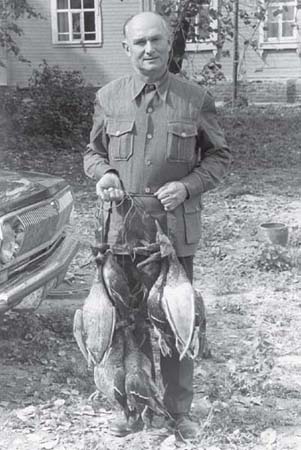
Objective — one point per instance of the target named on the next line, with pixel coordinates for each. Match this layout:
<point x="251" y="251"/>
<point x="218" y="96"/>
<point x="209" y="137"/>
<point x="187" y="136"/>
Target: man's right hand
<point x="109" y="188"/>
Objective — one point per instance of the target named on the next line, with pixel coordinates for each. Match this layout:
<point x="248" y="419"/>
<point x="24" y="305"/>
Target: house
<point x="269" y="66"/>
<point x="80" y="35"/>
<point x="86" y="35"/>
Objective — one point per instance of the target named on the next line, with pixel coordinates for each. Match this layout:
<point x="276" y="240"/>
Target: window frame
<point x="206" y="44"/>
<point x="76" y="43"/>
<point x="280" y="42"/>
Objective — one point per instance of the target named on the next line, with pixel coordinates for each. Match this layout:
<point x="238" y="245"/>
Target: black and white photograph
<point x="150" y="225"/>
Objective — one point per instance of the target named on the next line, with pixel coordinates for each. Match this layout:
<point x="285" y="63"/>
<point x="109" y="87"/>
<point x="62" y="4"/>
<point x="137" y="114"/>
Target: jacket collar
<point x="162" y="86"/>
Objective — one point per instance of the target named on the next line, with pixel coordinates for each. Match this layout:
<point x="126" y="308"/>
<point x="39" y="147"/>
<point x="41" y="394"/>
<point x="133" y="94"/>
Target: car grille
<point x="44" y="223"/>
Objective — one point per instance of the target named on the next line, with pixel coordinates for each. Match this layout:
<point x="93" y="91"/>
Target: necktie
<point x="149" y="93"/>
<point x="149" y="88"/>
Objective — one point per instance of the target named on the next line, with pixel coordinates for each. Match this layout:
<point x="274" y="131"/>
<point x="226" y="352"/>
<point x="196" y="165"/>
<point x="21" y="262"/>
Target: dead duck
<point x="178" y="298"/>
<point x="142" y="393"/>
<point x="157" y="314"/>
<point x="109" y="375"/>
<point x="94" y="324"/>
<point x="116" y="283"/>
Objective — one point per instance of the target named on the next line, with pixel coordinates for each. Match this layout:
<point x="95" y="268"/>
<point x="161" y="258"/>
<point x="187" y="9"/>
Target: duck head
<point x="100" y="255"/>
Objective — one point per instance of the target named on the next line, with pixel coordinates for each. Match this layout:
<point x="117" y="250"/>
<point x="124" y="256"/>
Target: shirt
<point x="172" y="136"/>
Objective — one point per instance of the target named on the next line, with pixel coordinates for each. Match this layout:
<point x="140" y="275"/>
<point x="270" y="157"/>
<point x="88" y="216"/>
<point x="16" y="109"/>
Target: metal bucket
<point x="276" y="233"/>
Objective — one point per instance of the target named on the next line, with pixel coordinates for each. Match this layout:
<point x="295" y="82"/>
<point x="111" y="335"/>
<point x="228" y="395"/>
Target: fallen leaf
<point x="168" y="443"/>
<point x="66" y="392"/>
<point x="50" y="444"/>
<point x="59" y="402"/>
<point x="26" y="414"/>
<point x="269" y="436"/>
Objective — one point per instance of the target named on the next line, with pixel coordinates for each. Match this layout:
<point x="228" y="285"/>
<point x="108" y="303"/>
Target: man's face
<point x="147" y="44"/>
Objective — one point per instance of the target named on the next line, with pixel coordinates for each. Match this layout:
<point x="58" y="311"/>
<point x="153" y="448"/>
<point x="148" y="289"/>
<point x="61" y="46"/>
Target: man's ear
<point x="126" y="47"/>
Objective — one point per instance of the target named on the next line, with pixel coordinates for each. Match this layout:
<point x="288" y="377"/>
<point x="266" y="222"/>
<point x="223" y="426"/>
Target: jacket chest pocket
<point x="121" y="134"/>
<point x="181" y="141"/>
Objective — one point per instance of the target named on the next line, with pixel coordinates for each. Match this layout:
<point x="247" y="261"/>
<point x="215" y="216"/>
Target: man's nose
<point x="149" y="47"/>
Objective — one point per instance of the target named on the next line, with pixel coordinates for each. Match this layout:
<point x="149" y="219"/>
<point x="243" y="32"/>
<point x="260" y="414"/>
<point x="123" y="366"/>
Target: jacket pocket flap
<point x="182" y="129"/>
<point x="192" y="205"/>
<point x="120" y="127"/>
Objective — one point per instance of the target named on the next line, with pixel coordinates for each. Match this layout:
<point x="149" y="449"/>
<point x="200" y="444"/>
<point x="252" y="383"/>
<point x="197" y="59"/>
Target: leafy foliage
<point x="57" y="104"/>
<point x="10" y="12"/>
<point x="274" y="257"/>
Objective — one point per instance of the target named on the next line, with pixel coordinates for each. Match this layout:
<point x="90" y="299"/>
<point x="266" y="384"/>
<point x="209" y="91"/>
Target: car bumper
<point x="50" y="273"/>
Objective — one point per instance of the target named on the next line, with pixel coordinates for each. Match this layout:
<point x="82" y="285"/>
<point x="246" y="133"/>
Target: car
<point x="36" y="244"/>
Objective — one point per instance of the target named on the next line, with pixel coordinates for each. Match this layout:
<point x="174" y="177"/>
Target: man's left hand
<point x="171" y="195"/>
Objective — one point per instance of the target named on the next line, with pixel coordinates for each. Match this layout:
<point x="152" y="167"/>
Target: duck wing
<point x="109" y="375"/>
<point x="116" y="283"/>
<point x="142" y="392"/>
<point x="99" y="319"/>
<point x="78" y="333"/>
<point x="156" y="312"/>
<point x="140" y="388"/>
<point x="178" y="302"/>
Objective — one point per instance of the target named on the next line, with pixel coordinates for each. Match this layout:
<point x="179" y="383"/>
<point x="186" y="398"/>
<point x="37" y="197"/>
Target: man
<point x="157" y="137"/>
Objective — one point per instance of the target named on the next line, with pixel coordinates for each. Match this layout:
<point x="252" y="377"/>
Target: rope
<point x="103" y="213"/>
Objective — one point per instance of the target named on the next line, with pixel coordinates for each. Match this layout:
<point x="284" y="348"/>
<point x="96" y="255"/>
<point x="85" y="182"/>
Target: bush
<point x="57" y="103"/>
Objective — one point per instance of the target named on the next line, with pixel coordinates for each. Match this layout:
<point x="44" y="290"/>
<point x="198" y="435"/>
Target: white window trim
<point x="200" y="46"/>
<point x="282" y="43"/>
<point x="207" y="45"/>
<point x="98" y="28"/>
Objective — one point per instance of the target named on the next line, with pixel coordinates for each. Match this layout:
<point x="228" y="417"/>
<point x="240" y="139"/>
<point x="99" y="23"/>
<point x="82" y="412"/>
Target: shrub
<point x="57" y="103"/>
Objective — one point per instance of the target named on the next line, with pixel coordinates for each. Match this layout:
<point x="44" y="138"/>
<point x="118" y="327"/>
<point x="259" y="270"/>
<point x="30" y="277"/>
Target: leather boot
<point x="185" y="427"/>
<point x="121" y="427"/>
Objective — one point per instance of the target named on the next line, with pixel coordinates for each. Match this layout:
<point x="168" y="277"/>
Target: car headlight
<point x="11" y="239"/>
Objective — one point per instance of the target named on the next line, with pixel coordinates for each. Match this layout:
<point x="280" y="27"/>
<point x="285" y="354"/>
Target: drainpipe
<point x="235" y="53"/>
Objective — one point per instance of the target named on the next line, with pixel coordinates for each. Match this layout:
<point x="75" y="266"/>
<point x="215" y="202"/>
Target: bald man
<point x="156" y="136"/>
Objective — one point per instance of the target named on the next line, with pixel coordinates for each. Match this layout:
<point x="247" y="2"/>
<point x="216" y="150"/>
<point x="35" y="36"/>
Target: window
<point x="76" y="22"/>
<point x="201" y="25"/>
<point x="280" y="26"/>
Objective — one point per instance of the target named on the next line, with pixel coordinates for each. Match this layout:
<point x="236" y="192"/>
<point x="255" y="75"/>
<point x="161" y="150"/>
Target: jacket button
<point x="149" y="110"/>
<point x="148" y="162"/>
<point x="183" y="134"/>
<point x="149" y="136"/>
<point x="147" y="190"/>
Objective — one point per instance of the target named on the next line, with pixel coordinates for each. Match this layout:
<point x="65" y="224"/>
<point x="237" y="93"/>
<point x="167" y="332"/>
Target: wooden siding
<point x="98" y="64"/>
<point x="102" y="64"/>
<point x="273" y="64"/>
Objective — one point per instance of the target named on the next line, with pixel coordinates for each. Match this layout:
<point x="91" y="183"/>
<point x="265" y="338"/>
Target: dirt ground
<point x="248" y="394"/>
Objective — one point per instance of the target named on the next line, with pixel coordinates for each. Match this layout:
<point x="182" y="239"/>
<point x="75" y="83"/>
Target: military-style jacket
<point x="174" y="137"/>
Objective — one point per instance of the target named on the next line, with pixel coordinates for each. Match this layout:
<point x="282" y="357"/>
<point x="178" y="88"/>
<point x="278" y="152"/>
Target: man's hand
<point x="109" y="188"/>
<point x="171" y="194"/>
